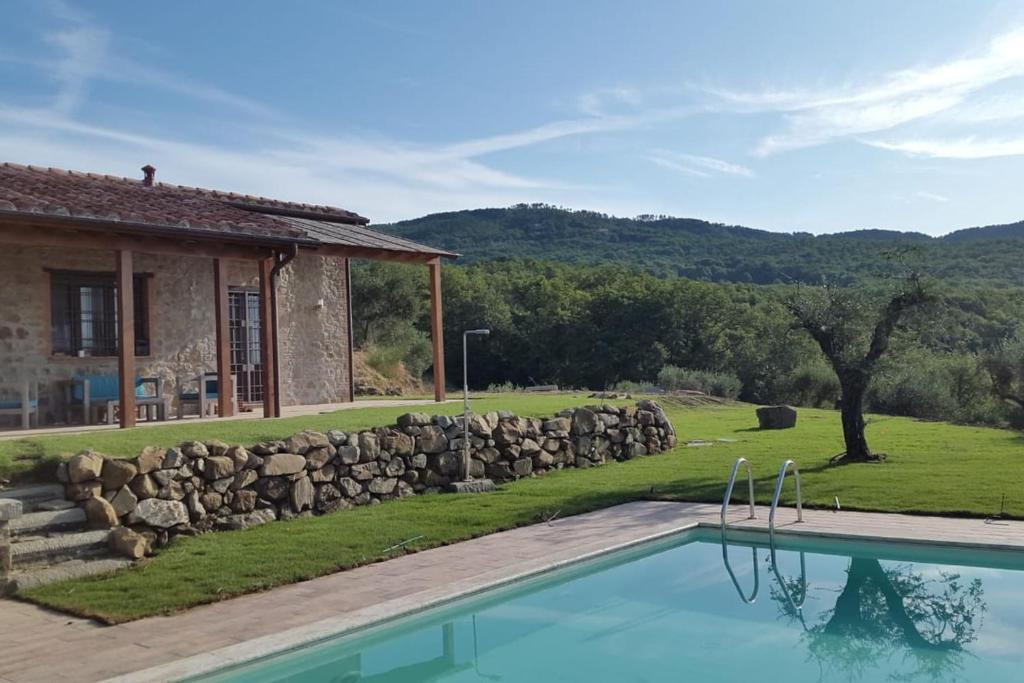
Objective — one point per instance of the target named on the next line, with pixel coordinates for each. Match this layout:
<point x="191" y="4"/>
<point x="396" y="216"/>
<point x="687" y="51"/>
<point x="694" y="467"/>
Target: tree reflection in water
<point x="883" y="612"/>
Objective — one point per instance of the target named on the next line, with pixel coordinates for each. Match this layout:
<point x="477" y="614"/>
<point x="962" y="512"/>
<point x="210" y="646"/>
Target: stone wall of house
<point x="201" y="486"/>
<point x="313" y="340"/>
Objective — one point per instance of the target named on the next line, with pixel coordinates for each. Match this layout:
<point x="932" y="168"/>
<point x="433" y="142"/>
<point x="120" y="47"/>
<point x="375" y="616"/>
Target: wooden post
<point x="125" y="338"/>
<point x="225" y="387"/>
<point x="267" y="340"/>
<point x="436" y="328"/>
<point x="351" y="334"/>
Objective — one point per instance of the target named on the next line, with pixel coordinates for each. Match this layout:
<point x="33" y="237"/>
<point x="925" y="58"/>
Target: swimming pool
<point x="692" y="608"/>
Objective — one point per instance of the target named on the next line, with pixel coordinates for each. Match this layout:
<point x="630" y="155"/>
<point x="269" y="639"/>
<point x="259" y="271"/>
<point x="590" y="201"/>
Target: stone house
<point x="108" y="277"/>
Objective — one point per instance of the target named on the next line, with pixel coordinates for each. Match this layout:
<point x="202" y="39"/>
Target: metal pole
<point x="465" y="399"/>
<point x="465" y="407"/>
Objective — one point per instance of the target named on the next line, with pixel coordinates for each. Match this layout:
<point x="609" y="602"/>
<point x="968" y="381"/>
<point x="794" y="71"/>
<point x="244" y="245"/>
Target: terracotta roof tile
<point x="58" y="192"/>
<point x="114" y="200"/>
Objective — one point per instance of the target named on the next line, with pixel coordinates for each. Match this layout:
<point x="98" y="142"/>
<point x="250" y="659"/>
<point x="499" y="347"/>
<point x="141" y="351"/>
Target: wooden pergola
<point x="268" y="255"/>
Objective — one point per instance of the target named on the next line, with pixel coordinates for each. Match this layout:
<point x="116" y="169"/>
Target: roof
<point x="130" y="204"/>
<point x="359" y="237"/>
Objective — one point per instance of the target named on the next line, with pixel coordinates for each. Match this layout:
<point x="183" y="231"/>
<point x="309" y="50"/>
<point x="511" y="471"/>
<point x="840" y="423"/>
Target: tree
<point x="385" y="295"/>
<point x="853" y="333"/>
<point x="881" y="611"/>
<point x="1005" y="365"/>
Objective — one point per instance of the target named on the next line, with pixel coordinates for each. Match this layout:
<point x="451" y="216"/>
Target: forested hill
<point x="712" y="251"/>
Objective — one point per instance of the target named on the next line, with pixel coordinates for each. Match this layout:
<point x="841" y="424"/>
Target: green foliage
<point x="615" y="326"/>
<point x="811" y="384"/>
<point x="701" y="250"/>
<point x="672" y="378"/>
<point x="1005" y="366"/>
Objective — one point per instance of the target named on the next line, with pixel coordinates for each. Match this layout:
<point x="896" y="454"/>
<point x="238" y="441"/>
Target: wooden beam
<point x="225" y="387"/>
<point x="437" y="328"/>
<point x="125" y="338"/>
<point x="267" y="340"/>
<point x="375" y="254"/>
<point x="351" y="334"/>
<point x="39" y="234"/>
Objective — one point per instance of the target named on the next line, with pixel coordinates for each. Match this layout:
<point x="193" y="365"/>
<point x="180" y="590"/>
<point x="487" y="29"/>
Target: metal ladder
<point x="775" y="498"/>
<point x="732" y="483"/>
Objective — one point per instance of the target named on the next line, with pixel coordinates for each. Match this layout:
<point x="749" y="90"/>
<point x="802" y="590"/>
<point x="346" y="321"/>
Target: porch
<point x="229" y="306"/>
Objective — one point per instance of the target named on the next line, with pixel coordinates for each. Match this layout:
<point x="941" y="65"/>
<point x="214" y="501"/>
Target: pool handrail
<point x="732" y="483"/>
<point x="778" y="492"/>
<point x="757" y="579"/>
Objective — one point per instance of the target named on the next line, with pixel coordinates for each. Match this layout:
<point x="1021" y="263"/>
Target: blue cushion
<point x="103" y="388"/>
<point x="16" y="405"/>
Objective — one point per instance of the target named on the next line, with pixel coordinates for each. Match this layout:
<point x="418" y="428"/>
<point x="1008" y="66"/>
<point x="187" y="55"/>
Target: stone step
<point x="46" y="522"/>
<point x="52" y="505"/>
<point x="31" y="494"/>
<point x="51" y="551"/>
<point x="72" y="569"/>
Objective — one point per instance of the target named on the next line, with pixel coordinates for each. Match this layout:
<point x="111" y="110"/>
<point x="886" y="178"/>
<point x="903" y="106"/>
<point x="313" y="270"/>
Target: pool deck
<point x="42" y="645"/>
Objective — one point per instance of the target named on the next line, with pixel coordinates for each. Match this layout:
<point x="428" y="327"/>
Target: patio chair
<point x="26" y="405"/>
<point x="100" y="394"/>
<point x="200" y="394"/>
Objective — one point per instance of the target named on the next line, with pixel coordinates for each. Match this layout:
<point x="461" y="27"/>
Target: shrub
<point x="672" y="378"/>
<point x="630" y="387"/>
<point x="935" y="387"/>
<point x="503" y="388"/>
<point x="403" y="344"/>
<point x="814" y="385"/>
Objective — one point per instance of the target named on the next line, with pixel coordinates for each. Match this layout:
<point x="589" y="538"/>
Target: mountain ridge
<point x="699" y="249"/>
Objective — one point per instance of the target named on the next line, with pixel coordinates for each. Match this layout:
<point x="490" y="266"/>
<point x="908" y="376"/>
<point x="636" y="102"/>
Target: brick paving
<point x="41" y="645"/>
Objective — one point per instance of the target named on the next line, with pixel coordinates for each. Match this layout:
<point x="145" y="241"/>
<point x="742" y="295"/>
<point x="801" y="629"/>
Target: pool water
<point x="679" y="610"/>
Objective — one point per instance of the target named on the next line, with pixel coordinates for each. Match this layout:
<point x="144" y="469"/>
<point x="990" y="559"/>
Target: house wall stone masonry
<point x="203" y="486"/>
<point x="313" y="340"/>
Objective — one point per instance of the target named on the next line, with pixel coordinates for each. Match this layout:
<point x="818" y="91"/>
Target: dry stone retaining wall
<point x="213" y="485"/>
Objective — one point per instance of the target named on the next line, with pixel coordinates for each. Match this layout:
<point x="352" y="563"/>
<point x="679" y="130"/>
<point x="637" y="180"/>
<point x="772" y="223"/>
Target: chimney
<point x="150" y="172"/>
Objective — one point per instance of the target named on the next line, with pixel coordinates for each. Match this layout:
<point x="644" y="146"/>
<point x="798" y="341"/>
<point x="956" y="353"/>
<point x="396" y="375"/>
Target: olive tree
<point x="853" y="328"/>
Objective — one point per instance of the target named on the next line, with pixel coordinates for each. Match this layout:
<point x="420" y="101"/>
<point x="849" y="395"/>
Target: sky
<point x="790" y="116"/>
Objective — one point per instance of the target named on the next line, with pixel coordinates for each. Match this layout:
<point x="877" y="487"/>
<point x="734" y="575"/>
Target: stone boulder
<point x="584" y="421"/>
<point x="150" y="459"/>
<point x="124" y="501"/>
<point x="219" y="467"/>
<point x="117" y="473"/>
<point x="100" y="513"/>
<point x="776" y="417"/>
<point x="306" y="440"/>
<point x="432" y="440"/>
<point x="413" y="420"/>
<point x="128" y="543"/>
<point x="281" y="464"/>
<point x="85" y="466"/>
<point x="162" y="514"/>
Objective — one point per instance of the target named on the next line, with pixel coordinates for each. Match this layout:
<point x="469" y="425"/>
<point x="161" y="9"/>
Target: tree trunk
<point x="852" y="411"/>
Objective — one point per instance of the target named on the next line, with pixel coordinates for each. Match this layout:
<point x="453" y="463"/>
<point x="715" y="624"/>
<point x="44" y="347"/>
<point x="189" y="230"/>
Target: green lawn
<point x="932" y="468"/>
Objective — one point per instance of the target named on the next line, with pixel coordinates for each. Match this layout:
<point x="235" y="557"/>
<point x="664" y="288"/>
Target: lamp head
<point x="481" y="332"/>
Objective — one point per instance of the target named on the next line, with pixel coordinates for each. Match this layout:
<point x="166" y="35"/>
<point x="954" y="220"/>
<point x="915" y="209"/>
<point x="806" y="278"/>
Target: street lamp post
<point x="465" y="398"/>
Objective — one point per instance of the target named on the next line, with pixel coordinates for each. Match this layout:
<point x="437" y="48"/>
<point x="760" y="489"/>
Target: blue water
<point x="671" y="612"/>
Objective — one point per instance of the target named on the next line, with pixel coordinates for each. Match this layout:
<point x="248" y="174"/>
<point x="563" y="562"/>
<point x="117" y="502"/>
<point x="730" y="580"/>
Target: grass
<point x="932" y="468"/>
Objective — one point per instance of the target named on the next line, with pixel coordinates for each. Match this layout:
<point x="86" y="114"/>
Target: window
<point x="83" y="309"/>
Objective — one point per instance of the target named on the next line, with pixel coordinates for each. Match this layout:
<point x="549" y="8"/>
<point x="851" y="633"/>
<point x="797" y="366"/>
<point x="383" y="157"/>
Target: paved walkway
<point x="286" y="411"/>
<point x="39" y="645"/>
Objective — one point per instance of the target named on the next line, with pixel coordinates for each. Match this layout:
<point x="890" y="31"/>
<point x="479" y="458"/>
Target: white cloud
<point x="85" y="53"/>
<point x="699" y="166"/>
<point x="814" y="117"/>
<point x="931" y="196"/>
<point x="970" y="147"/>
